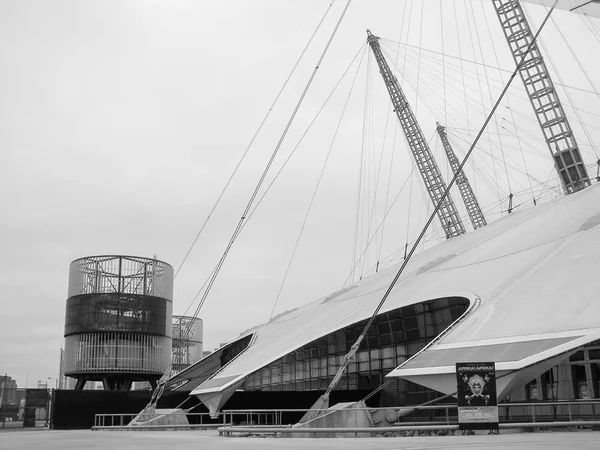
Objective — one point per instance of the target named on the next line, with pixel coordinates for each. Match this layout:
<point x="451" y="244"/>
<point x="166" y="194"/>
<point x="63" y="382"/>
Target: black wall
<point x="76" y="409"/>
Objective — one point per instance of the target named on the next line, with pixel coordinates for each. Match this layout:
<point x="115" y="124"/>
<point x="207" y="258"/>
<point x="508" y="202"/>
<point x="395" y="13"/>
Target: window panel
<point x="389" y="363"/>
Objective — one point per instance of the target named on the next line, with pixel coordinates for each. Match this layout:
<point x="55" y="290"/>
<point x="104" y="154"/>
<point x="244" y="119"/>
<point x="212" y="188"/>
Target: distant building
<point x="8" y="390"/>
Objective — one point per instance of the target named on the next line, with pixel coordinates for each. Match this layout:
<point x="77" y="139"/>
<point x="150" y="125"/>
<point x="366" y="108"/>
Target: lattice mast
<point x="543" y="96"/>
<point x="447" y="213"/>
<point x="468" y="196"/>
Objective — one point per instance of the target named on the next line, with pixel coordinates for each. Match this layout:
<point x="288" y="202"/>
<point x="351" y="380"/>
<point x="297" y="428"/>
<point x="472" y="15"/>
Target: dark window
<point x="577" y="356"/>
<point x="580" y="384"/>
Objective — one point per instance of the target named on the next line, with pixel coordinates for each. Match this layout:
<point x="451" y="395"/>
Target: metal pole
<point x="3" y="401"/>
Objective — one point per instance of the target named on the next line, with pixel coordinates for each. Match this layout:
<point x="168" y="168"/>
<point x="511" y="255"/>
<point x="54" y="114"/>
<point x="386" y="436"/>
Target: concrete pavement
<point x="208" y="440"/>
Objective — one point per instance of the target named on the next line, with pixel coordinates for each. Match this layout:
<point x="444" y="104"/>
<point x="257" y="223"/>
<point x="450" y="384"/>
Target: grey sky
<point x="120" y="122"/>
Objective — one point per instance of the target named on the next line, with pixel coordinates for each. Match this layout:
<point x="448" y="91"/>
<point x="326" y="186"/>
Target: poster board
<point x="476" y="396"/>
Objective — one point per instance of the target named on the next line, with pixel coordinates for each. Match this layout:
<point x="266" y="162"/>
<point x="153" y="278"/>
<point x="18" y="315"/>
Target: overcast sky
<point x="121" y="121"/>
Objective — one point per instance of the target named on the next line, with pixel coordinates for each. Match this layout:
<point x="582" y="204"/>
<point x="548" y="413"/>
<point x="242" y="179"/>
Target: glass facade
<point x="576" y="378"/>
<point x="393" y="337"/>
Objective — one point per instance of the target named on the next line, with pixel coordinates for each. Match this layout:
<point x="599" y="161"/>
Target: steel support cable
<point x="314" y="195"/>
<point x="437" y="108"/>
<point x="393" y="144"/>
<point x="481" y="171"/>
<point x="432" y="216"/>
<point x="479" y="83"/>
<point x="432" y="76"/>
<point x="507" y="134"/>
<point x="492" y="190"/>
<point x="509" y="107"/>
<point x="454" y="8"/>
<point x="583" y="111"/>
<point x="430" y="234"/>
<point x="382" y="222"/>
<point x="432" y="99"/>
<point x="554" y="67"/>
<point x="589" y="144"/>
<point x="520" y="96"/>
<point x="385" y="131"/>
<point x="565" y="86"/>
<point x="491" y="155"/>
<point x="358" y="223"/>
<point x="443" y="60"/>
<point x="514" y="166"/>
<point x="410" y="201"/>
<point x="435" y="68"/>
<point x="412" y="159"/>
<point x="529" y="119"/>
<point x="513" y="123"/>
<point x="308" y="128"/>
<point x="589" y="23"/>
<point x="373" y="210"/>
<point x="387" y="193"/>
<point x="589" y="80"/>
<point x="465" y="73"/>
<point x="288" y="159"/>
<point x="419" y="59"/>
<point x="409" y="177"/>
<point x="538" y="182"/>
<point x="407" y="34"/>
<point x="368" y="142"/>
<point x="587" y="77"/>
<point x="300" y="140"/>
<point x="536" y="154"/>
<point x="488" y="208"/>
<point x="547" y="181"/>
<point x="458" y="113"/>
<point x="270" y="162"/>
<point x="371" y="160"/>
<point x="490" y="93"/>
<point x="200" y="290"/>
<point x="424" y="99"/>
<point x="252" y="140"/>
<point x="443" y="55"/>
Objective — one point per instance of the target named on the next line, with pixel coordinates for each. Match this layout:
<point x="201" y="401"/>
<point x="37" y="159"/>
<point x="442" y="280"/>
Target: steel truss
<point x="434" y="183"/>
<point x="468" y="196"/>
<point x="543" y="96"/>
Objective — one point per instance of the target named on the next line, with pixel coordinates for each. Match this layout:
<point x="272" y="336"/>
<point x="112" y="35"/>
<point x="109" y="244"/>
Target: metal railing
<point x="424" y="418"/>
<point x="288" y="416"/>
<point x="194" y="420"/>
<point x="431" y="417"/>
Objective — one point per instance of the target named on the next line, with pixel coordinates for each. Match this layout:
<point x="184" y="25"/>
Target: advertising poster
<point x="477" y="399"/>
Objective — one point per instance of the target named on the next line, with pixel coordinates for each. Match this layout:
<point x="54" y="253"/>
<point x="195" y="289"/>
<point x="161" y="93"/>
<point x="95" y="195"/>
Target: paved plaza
<point x="208" y="440"/>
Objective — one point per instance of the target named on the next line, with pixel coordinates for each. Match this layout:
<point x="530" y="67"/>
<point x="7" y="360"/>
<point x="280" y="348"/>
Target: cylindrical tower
<point x="118" y="320"/>
<point x="187" y="342"/>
